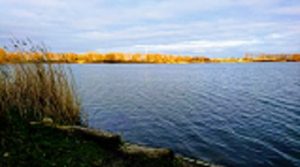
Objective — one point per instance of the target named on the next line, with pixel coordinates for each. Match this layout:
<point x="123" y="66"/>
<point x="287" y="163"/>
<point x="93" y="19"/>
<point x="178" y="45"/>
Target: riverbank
<point x="46" y="144"/>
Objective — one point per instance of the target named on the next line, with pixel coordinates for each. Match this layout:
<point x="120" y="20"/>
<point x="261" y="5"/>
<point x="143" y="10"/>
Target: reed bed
<point x="38" y="90"/>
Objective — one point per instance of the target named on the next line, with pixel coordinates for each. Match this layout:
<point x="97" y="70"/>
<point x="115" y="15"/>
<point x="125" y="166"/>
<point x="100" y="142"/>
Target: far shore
<point x="135" y="58"/>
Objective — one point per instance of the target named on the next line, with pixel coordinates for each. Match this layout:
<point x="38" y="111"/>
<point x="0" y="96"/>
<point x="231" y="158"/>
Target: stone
<point x="133" y="149"/>
<point x="109" y="140"/>
<point x="6" y="154"/>
<point x="47" y="121"/>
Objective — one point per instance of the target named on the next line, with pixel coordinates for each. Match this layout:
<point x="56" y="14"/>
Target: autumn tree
<point x="2" y="55"/>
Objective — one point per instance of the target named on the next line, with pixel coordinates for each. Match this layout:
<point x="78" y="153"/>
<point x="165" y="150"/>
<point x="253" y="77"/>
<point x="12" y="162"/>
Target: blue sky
<point x="214" y="28"/>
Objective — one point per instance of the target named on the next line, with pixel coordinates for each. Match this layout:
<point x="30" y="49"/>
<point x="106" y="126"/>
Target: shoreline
<point x="41" y="56"/>
<point x="115" y="143"/>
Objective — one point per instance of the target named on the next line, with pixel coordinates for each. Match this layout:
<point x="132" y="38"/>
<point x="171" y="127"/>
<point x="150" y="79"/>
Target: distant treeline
<point x="93" y="57"/>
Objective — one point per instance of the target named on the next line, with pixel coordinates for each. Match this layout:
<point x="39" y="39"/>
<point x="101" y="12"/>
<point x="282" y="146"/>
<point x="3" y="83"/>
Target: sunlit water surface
<point x="231" y="114"/>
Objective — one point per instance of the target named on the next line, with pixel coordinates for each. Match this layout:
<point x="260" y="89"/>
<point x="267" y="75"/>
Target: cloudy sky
<point x="215" y="28"/>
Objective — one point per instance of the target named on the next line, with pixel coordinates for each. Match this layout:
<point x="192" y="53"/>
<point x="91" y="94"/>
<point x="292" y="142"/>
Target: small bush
<point x="37" y="90"/>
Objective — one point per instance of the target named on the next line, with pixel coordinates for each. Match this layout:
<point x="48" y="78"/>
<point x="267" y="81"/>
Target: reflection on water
<point x="232" y="114"/>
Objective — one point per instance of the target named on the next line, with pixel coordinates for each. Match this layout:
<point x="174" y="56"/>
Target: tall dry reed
<point x="38" y="90"/>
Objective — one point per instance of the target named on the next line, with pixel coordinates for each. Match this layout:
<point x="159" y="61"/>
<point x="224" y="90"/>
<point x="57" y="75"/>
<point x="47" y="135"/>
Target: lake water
<point x="230" y="114"/>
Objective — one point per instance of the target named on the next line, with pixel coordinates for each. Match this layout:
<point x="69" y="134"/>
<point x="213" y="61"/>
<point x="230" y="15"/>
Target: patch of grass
<point x="26" y="145"/>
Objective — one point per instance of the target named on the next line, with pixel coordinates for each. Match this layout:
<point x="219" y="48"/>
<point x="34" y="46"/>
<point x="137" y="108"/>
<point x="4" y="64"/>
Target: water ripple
<point x="234" y="114"/>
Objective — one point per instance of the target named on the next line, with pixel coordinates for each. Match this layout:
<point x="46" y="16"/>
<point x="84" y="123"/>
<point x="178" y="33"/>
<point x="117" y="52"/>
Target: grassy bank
<point x="26" y="145"/>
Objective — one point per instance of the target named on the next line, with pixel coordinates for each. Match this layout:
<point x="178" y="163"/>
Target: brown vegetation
<point x="36" y="90"/>
<point x="116" y="57"/>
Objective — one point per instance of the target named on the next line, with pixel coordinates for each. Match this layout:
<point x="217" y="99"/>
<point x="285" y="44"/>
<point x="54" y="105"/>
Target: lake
<point x="230" y="114"/>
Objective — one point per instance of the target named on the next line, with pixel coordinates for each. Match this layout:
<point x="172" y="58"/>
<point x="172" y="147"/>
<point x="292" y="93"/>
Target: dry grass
<point x="38" y="90"/>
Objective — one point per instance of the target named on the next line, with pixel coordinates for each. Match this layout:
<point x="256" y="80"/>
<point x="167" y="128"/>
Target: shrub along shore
<point x="41" y="123"/>
<point x="18" y="56"/>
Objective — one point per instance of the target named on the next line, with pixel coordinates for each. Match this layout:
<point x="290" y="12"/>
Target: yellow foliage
<point x="117" y="57"/>
<point x="2" y="55"/>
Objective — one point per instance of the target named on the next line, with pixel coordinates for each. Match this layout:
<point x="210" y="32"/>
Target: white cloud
<point x="38" y="3"/>
<point x="275" y="36"/>
<point x="198" y="46"/>
<point x="205" y="30"/>
<point x="288" y="10"/>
